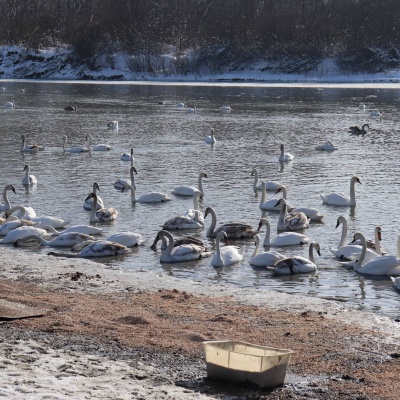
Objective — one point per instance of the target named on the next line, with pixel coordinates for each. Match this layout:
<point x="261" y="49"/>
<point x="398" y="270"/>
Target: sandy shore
<point x="114" y="334"/>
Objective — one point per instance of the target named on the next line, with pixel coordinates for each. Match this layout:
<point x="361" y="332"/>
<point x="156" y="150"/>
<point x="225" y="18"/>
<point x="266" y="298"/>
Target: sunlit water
<point x="169" y="150"/>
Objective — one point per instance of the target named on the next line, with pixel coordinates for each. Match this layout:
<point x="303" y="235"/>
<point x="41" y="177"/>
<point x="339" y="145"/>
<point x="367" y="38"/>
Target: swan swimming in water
<point x="270" y="205"/>
<point x="182" y="253"/>
<point x="285" y="156"/>
<point x="342" y="199"/>
<point x="297" y="264"/>
<point x="177" y="242"/>
<point x="152" y="197"/>
<point x="127" y="157"/>
<point x="191" y="190"/>
<point x="226" y="255"/>
<point x="65" y="239"/>
<point x="7" y="204"/>
<point x="361" y="107"/>
<point x="210" y="139"/>
<point x="72" y="108"/>
<point x="21" y="232"/>
<point x="396" y="282"/>
<point x="99" y="248"/>
<point x="113" y="125"/>
<point x="97" y="147"/>
<point x="225" y="109"/>
<point x="121" y="183"/>
<point x="356" y="130"/>
<point x="88" y="203"/>
<point x="192" y="211"/>
<point x="9" y="225"/>
<point x="270" y="185"/>
<point x="75" y="149"/>
<point x="184" y="222"/>
<point x="10" y="104"/>
<point x="28" y="179"/>
<point x="102" y="215"/>
<point x="293" y="221"/>
<point x="326" y="146"/>
<point x="264" y="259"/>
<point x="29" y="148"/>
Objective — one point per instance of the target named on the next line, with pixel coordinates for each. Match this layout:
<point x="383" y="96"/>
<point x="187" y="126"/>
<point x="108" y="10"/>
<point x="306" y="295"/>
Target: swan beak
<point x="88" y="197"/>
<point x="319" y="253"/>
<point x="278" y="203"/>
<point x="13" y="189"/>
<point x="337" y="224"/>
<point x="354" y="239"/>
<point x="259" y="226"/>
<point x="278" y="190"/>
<point x="226" y="241"/>
<point x="123" y="189"/>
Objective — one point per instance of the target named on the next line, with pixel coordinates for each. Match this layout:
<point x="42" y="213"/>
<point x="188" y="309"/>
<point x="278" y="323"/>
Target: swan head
<point x="317" y="248"/>
<point x="339" y="221"/>
<point x="356" y="179"/>
<point x="207" y="211"/>
<point x="280" y="202"/>
<point x="255" y="171"/>
<point x="11" y="187"/>
<point x="96" y="185"/>
<point x="379" y="232"/>
<point x="358" y="236"/>
<point x="26" y="167"/>
<point x="133" y="169"/>
<point x="279" y="190"/>
<point x="222" y="235"/>
<point x="91" y="196"/>
<point x="203" y="175"/>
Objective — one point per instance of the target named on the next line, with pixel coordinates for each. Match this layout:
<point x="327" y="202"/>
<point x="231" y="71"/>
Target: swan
<point x="342" y="199"/>
<point x="85" y="229"/>
<point x="10" y="225"/>
<point x="396" y="282"/>
<point x="225" y="109"/>
<point x="182" y="222"/>
<point x="121" y="183"/>
<point x="65" y="239"/>
<point x="22" y="212"/>
<point x="298" y="264"/>
<point x="29" y="148"/>
<point x="375" y="114"/>
<point x="88" y="203"/>
<point x="356" y="130"/>
<point x="234" y="230"/>
<point x="210" y="139"/>
<point x="152" y="197"/>
<point x="99" y="248"/>
<point x="97" y="147"/>
<point x="7" y="204"/>
<point x="285" y="156"/>
<point x="349" y="251"/>
<point x="102" y="215"/>
<point x="113" y="125"/>
<point x="270" y="185"/>
<point x="177" y="242"/>
<point x="264" y="259"/>
<point x="361" y="107"/>
<point x="182" y="253"/>
<point x="326" y="146"/>
<point x="226" y="255"/>
<point x="192" y="211"/>
<point x="72" y="108"/>
<point x="270" y="205"/>
<point x="10" y="104"/>
<point x="191" y="190"/>
<point x="191" y="110"/>
<point x="28" y="179"/>
<point x="75" y="149"/>
<point x="128" y="239"/>
<point x="180" y="105"/>
<point x="293" y="221"/>
<point x="384" y="265"/>
<point x="127" y="157"/>
<point x="161" y="102"/>
<point x="282" y="239"/>
<point x="21" y="232"/>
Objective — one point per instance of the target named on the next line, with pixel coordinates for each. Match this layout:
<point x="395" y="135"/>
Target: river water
<point x="169" y="150"/>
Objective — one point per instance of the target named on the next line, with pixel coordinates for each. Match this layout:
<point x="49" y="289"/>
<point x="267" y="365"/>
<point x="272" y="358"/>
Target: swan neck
<point x="378" y="248"/>
<point x="17" y="208"/>
<point x="255" y="172"/>
<point x="352" y="192"/>
<point x="195" y="202"/>
<point x="5" y="197"/>
<point x="284" y="192"/>
<point x="218" y="251"/>
<point x="358" y="265"/>
<point x="133" y="193"/>
<point x="282" y="215"/>
<point x="256" y="250"/>
<point x="94" y="209"/>
<point x="34" y="237"/>
<point x="311" y="253"/>
<point x="200" y="183"/>
<point x="344" y="233"/>
<point x="267" y="237"/>
<point x="263" y="193"/>
<point x="170" y="245"/>
<point x="210" y="231"/>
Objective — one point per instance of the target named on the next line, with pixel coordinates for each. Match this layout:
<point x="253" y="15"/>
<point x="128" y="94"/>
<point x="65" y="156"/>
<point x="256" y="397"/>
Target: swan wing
<point x="185" y="190"/>
<point x="339" y="199"/>
<point x="266" y="259"/>
<point x="236" y="230"/>
<point x="385" y="265"/>
<point x="289" y="239"/>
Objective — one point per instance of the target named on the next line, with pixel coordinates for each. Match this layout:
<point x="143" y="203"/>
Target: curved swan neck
<point x="5" y="196"/>
<point x="267" y="240"/>
<point x="16" y="208"/>
<point x="210" y="231"/>
<point x="170" y="239"/>
<point x="342" y="242"/>
<point x="256" y="250"/>
<point x="196" y="197"/>
<point x="358" y="265"/>
<point x="311" y="253"/>
<point x="263" y="192"/>
<point x="284" y="192"/>
<point x="282" y="215"/>
<point x="34" y="237"/>
<point x="218" y="248"/>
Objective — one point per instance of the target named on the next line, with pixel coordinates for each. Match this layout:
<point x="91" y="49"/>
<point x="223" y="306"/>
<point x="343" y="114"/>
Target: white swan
<point x="7" y="204"/>
<point x="10" y="104"/>
<point x="356" y="130"/>
<point x="29" y="148"/>
<point x="121" y="183"/>
<point x="285" y="156"/>
<point x="342" y="199"/>
<point x="264" y="259"/>
<point x="180" y="105"/>
<point x="72" y="108"/>
<point x="191" y="110"/>
<point x="361" y="107"/>
<point x="25" y="212"/>
<point x="211" y="138"/>
<point x="127" y="157"/>
<point x="102" y="215"/>
<point x="350" y="251"/>
<point x="97" y="147"/>
<point x="226" y="255"/>
<point x="152" y="197"/>
<point x="65" y="239"/>
<point x="22" y="232"/>
<point x="85" y="229"/>
<point x="234" y="230"/>
<point x="128" y="239"/>
<point x="191" y="190"/>
<point x="282" y="239"/>
<point x="75" y="149"/>
<point x="270" y="185"/>
<point x="293" y="221"/>
<point x="177" y="242"/>
<point x="225" y="109"/>
<point x="270" y="205"/>
<point x="99" y="248"/>
<point x="28" y="179"/>
<point x="396" y="282"/>
<point x="182" y="253"/>
<point x="326" y="146"/>
<point x="384" y="265"/>
<point x="9" y="225"/>
<point x="375" y="114"/>
<point x="184" y="222"/>
<point x="192" y="211"/>
<point x="113" y="125"/>
<point x="88" y="203"/>
<point x="298" y="264"/>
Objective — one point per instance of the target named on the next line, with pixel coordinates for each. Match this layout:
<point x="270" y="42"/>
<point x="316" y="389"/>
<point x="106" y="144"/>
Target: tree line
<point x="248" y="28"/>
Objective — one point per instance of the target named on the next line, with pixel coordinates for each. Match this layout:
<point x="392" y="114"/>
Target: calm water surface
<point x="169" y="150"/>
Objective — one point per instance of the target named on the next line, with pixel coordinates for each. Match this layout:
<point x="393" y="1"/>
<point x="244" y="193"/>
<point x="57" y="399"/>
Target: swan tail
<point x="242" y="250"/>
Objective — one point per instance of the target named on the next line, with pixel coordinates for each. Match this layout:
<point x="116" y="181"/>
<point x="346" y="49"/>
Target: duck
<point x="99" y="248"/>
<point x="356" y="130"/>
<point x="88" y="203"/>
<point x="10" y="104"/>
<point x="211" y="138"/>
<point x="28" y="179"/>
<point x="342" y="199"/>
<point x="97" y="147"/>
<point x="270" y="205"/>
<point x="113" y="125"/>
<point x="181" y="253"/>
<point x="121" y="183"/>
<point x="152" y="197"/>
<point x="177" y="242"/>
<point x="282" y="239"/>
<point x="65" y="239"/>
<point x="396" y="282"/>
<point x="127" y="157"/>
<point x="270" y="185"/>
<point x="225" y="109"/>
<point x="234" y="230"/>
<point x="21" y="232"/>
<point x="284" y="157"/>
<point x="7" y="204"/>
<point x="102" y="215"/>
<point x="72" y="108"/>
<point x="326" y="146"/>
<point x="264" y="259"/>
<point x="191" y="190"/>
<point x="184" y="222"/>
<point x="226" y="255"/>
<point x="298" y="264"/>
<point x="29" y="148"/>
<point x="75" y="149"/>
<point x="293" y="221"/>
<point x="383" y="265"/>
